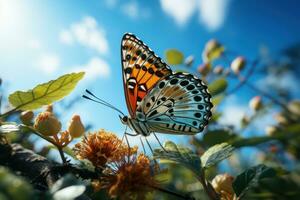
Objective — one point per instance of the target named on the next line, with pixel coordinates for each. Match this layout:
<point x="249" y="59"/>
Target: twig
<point x="207" y="187"/>
<point x="186" y="197"/>
<point x="60" y="150"/>
<point x="244" y="79"/>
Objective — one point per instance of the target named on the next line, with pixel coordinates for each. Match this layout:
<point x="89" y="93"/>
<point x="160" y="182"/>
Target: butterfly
<point x="158" y="99"/>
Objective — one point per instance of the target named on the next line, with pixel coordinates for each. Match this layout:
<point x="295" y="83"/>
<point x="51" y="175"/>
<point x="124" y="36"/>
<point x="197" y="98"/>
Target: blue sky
<point x="41" y="40"/>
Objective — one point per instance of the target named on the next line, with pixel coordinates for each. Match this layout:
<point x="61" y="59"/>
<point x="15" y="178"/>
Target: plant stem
<point x="186" y="197"/>
<point x="9" y="112"/>
<point x="55" y="143"/>
<point x="207" y="187"/>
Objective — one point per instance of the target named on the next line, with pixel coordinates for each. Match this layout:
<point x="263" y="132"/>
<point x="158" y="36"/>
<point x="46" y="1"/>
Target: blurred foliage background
<point x="255" y="95"/>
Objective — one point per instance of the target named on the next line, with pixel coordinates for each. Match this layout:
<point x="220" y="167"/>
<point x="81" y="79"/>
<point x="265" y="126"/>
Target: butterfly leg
<point x="143" y="145"/>
<point x="159" y="142"/>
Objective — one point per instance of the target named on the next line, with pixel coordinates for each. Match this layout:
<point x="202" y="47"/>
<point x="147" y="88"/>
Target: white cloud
<point x="212" y="13"/>
<point x="66" y="37"/>
<point x="34" y="44"/>
<point x="180" y="10"/>
<point x="286" y="80"/>
<point x="96" y="67"/>
<point x="111" y="3"/>
<point x="232" y="112"/>
<point x="48" y="63"/>
<point x="87" y="33"/>
<point x="134" y="11"/>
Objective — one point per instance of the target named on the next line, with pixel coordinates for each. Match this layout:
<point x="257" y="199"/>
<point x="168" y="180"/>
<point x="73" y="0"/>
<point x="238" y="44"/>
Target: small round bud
<point x="245" y="120"/>
<point x="255" y="103"/>
<point x="271" y="130"/>
<point x="222" y="184"/>
<point x="189" y="61"/>
<point x="49" y="108"/>
<point x="76" y="128"/>
<point x="218" y="69"/>
<point x="26" y="117"/>
<point x="213" y="49"/>
<point x="204" y="69"/>
<point x="47" y="124"/>
<point x="281" y="119"/>
<point x="238" y="64"/>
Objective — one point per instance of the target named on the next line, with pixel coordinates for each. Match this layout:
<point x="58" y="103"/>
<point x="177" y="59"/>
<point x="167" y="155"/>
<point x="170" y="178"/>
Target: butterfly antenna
<point x="100" y="101"/>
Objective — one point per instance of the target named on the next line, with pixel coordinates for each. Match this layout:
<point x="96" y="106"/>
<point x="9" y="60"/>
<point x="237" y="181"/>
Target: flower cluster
<point x="49" y="126"/>
<point x="102" y="147"/>
<point x="125" y="173"/>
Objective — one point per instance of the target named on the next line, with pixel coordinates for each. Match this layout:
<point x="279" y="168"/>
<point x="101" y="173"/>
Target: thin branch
<point x="243" y="80"/>
<point x="186" y="197"/>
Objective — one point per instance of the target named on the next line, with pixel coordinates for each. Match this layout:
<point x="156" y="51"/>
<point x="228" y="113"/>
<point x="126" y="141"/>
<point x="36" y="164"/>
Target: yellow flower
<point x="222" y="184"/>
<point x="132" y="178"/>
<point x="47" y="124"/>
<point x="76" y="128"/>
<point x="101" y="148"/>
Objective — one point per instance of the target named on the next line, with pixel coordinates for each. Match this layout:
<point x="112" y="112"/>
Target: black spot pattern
<point x="174" y="81"/>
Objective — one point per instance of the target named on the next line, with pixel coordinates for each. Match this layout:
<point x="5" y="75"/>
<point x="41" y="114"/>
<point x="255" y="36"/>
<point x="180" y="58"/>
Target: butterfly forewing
<point x="142" y="69"/>
<point x="179" y="104"/>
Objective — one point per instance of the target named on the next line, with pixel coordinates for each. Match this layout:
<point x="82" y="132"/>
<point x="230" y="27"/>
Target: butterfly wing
<point x="142" y="69"/>
<point x="178" y="104"/>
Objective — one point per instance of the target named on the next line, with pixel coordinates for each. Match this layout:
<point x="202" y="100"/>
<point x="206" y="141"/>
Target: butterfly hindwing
<point x="142" y="69"/>
<point x="178" y="104"/>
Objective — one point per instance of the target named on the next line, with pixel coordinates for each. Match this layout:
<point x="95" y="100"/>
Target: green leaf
<point x="218" y="136"/>
<point x="69" y="193"/>
<point x="181" y="155"/>
<point x="46" y="93"/>
<point x="218" y="86"/>
<point x="174" y="57"/>
<point x="216" y="154"/>
<point x="250" y="178"/>
<point x="65" y="181"/>
<point x="14" y="187"/>
<point x="216" y="100"/>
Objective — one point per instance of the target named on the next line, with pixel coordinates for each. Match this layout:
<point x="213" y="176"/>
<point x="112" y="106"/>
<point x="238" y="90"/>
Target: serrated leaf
<point x="46" y="93"/>
<point x="218" y="86"/>
<point x="69" y="193"/>
<point x="216" y="154"/>
<point x="174" y="57"/>
<point x="250" y="178"/>
<point x="181" y="155"/>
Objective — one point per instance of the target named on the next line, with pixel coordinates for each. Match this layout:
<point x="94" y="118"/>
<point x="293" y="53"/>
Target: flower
<point x="238" y="64"/>
<point x="101" y="148"/>
<point x="76" y="128"/>
<point x="47" y="124"/>
<point x="26" y="117"/>
<point x="222" y="184"/>
<point x="132" y="178"/>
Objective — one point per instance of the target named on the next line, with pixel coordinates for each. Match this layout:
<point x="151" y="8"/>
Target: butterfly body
<point x="158" y="99"/>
